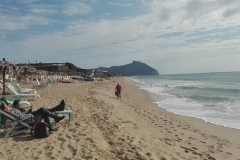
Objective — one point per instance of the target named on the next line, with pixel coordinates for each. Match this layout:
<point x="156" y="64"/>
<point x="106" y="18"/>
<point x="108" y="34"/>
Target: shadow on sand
<point x="23" y="137"/>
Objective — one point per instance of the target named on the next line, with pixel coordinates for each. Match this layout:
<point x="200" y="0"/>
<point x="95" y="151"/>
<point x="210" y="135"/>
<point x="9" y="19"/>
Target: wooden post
<point x="4" y="69"/>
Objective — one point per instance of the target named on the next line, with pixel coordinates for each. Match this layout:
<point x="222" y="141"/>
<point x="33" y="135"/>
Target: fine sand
<point x="131" y="128"/>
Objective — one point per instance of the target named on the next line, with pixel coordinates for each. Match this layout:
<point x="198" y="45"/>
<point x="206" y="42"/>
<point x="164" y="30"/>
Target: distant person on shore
<point x="118" y="90"/>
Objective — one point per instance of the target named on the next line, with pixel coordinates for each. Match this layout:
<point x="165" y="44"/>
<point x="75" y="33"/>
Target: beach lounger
<point x="23" y="90"/>
<point x="18" y="88"/>
<point x="3" y="119"/>
<point x="52" y="81"/>
<point x="14" y="127"/>
<point x="66" y="81"/>
<point x="81" y="79"/>
<point x="28" y="81"/>
<point x="70" y="115"/>
<point x="19" y="93"/>
<point x="23" y="101"/>
<point x="41" y="84"/>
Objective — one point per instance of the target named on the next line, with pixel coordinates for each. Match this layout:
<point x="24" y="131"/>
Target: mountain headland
<point x="135" y="68"/>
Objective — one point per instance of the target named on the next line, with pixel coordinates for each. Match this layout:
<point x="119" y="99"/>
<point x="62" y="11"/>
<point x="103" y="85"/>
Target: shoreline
<point x="220" y="130"/>
<point x="210" y="127"/>
<point x="107" y="128"/>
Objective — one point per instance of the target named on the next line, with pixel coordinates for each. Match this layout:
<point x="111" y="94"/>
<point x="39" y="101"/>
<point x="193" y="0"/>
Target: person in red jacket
<point x="118" y="90"/>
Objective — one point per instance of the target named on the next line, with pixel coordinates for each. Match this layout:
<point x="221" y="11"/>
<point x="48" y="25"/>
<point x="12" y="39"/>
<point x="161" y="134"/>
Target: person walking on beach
<point x="118" y="90"/>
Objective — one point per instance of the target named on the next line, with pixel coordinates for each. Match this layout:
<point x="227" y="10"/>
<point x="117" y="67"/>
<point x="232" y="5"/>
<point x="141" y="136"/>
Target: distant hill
<point x="133" y="69"/>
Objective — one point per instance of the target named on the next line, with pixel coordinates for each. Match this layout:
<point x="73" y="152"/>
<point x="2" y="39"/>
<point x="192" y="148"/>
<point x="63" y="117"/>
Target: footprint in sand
<point x="195" y="153"/>
<point x="211" y="158"/>
<point x="148" y="154"/>
<point x="194" y="148"/>
<point x="89" y="140"/>
<point x="179" y="140"/>
<point x="77" y="124"/>
<point x="72" y="149"/>
<point x="48" y="154"/>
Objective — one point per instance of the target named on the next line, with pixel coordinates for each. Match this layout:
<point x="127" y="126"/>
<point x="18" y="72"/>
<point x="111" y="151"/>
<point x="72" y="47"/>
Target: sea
<point x="212" y="97"/>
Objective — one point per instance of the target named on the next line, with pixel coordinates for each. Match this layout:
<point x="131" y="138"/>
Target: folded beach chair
<point x="23" y="90"/>
<point x="81" y="79"/>
<point x="19" y="93"/>
<point x="41" y="84"/>
<point x="52" y="81"/>
<point x="15" y="126"/>
<point x="18" y="88"/>
<point x="72" y="80"/>
<point x="28" y="81"/>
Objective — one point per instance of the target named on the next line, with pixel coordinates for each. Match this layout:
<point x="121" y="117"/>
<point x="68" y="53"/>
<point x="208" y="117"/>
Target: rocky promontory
<point x="135" y="68"/>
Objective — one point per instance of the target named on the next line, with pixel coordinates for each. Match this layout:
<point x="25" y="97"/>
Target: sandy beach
<point x="131" y="128"/>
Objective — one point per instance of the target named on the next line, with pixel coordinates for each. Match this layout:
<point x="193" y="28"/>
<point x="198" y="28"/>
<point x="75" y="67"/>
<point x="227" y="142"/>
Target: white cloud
<point x="191" y="15"/>
<point x="14" y="17"/>
<point x="43" y="9"/>
<point x="106" y="15"/>
<point x="202" y="28"/>
<point x="76" y="8"/>
<point x="13" y="23"/>
<point x="121" y="4"/>
<point x="27" y="1"/>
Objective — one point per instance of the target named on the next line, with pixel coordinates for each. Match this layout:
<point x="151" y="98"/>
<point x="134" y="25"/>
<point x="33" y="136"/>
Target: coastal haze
<point x="181" y="36"/>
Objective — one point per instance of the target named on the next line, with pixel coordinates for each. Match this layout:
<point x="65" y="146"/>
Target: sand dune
<point x="107" y="128"/>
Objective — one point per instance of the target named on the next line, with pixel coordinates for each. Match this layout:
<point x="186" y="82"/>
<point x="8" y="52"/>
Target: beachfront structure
<point x="54" y="71"/>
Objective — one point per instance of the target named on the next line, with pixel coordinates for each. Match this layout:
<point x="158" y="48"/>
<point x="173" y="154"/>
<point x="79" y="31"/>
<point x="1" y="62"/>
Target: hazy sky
<point x="172" y="36"/>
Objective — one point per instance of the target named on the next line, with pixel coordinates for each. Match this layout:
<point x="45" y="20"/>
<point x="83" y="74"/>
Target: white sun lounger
<point x="19" y="93"/>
